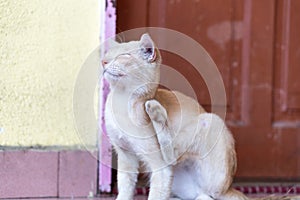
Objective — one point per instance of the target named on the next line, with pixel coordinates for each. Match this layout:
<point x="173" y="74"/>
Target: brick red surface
<point x="77" y="173"/>
<point x="73" y="173"/>
<point x="32" y="173"/>
<point x="250" y="189"/>
<point x="28" y="174"/>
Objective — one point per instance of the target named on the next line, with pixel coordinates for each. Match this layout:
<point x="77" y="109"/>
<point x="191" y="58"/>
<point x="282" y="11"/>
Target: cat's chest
<point x="117" y="136"/>
<point x="129" y="141"/>
<point x="125" y="134"/>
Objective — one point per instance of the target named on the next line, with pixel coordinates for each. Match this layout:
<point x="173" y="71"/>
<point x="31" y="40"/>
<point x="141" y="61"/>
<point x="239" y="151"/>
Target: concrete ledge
<point x="77" y="174"/>
<point x="34" y="173"/>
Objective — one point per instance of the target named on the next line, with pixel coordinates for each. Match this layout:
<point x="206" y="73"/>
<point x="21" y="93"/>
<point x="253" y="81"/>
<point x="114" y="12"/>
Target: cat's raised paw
<point x="156" y="111"/>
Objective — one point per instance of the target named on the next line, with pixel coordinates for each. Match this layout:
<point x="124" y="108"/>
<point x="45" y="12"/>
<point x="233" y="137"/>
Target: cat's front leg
<point x="127" y="175"/>
<point x="159" y="119"/>
<point x="161" y="184"/>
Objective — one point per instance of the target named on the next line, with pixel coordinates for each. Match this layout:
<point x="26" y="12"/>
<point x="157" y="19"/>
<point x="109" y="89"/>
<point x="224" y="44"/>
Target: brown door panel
<point x="256" y="46"/>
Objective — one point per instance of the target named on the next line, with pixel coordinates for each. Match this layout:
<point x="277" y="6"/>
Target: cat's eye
<point x="125" y="54"/>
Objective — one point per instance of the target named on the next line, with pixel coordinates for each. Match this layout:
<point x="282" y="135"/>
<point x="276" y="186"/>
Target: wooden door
<point x="256" y="46"/>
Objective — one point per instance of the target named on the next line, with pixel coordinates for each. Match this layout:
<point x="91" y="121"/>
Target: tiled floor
<point x="97" y="198"/>
<point x="113" y="198"/>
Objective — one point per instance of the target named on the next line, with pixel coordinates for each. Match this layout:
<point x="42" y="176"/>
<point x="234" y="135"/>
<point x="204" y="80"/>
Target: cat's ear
<point x="111" y="43"/>
<point x="147" y="48"/>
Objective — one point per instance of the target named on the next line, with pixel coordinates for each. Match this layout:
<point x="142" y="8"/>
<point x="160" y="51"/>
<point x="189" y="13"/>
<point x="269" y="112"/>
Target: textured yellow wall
<point x="43" y="44"/>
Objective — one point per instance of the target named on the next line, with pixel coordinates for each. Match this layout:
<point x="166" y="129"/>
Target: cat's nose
<point x="104" y="62"/>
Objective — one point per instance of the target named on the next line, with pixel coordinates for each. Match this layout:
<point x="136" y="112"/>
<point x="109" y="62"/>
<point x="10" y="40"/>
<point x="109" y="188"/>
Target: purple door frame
<point x="105" y="149"/>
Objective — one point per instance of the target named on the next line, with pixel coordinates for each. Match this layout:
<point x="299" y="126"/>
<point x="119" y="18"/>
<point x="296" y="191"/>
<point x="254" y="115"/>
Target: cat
<point x="132" y="70"/>
<point x="189" y="152"/>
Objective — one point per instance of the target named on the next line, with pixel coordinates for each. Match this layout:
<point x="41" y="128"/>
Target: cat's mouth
<point x="113" y="74"/>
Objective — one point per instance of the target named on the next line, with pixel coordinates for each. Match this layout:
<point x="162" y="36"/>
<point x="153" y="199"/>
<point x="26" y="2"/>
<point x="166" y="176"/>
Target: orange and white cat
<point x="190" y="153"/>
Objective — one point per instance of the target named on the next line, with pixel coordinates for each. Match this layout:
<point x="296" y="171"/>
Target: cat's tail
<point x="233" y="194"/>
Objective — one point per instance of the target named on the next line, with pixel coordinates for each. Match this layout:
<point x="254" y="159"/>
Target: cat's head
<point x="133" y="66"/>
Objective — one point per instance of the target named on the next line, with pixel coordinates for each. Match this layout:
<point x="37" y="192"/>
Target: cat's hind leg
<point x="159" y="119"/>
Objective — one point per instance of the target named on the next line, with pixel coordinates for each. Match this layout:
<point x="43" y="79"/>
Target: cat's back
<point x="179" y="106"/>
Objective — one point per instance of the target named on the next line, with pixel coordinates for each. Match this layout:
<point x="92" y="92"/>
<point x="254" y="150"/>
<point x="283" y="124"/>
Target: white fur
<point x="206" y="164"/>
<point x="132" y="70"/>
<point x="179" y="139"/>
